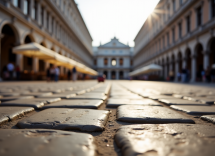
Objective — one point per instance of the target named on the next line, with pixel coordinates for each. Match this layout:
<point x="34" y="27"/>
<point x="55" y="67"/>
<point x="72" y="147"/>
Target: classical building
<point x="179" y="34"/>
<point x="54" y="24"/>
<point x="113" y="59"/>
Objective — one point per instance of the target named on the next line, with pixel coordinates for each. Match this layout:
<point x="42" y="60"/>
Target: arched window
<point x="121" y="61"/>
<point x="113" y="62"/>
<point x="105" y="61"/>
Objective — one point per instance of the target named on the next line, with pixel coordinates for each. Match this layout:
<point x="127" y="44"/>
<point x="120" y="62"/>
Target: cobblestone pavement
<point x="126" y="118"/>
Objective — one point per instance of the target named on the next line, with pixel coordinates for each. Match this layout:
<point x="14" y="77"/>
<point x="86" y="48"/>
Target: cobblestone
<point x="107" y="126"/>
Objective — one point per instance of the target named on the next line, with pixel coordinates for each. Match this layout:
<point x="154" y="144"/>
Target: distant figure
<point x="69" y="74"/>
<point x="183" y="75"/>
<point x="10" y="68"/>
<point x="17" y="72"/>
<point x="5" y="73"/>
<point x="48" y="75"/>
<point x="187" y="75"/>
<point x="57" y="72"/>
<point x="179" y="76"/>
<point x="171" y="75"/>
<point x="83" y="76"/>
<point x="208" y="74"/>
<point x="74" y="74"/>
<point x="52" y="73"/>
<point x="203" y="75"/>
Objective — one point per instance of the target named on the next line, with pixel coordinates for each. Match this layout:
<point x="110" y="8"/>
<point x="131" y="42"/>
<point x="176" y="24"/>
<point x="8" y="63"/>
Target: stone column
<point x="22" y="5"/>
<point x="193" y="70"/>
<point x="206" y="59"/>
<point x="38" y="12"/>
<point x="35" y="65"/>
<point x="109" y="74"/>
<point x="31" y="4"/>
<point x="19" y="61"/>
<point x="117" y="62"/>
<point x="176" y="71"/>
<point x="109" y="62"/>
<point x="117" y="75"/>
<point x="165" y="71"/>
<point x="184" y="63"/>
<point x="1" y="36"/>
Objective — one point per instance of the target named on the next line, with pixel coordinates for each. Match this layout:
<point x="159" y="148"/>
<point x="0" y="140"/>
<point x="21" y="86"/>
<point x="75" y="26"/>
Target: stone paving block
<point x="196" y="110"/>
<point x="210" y="118"/>
<point x="35" y="103"/>
<point x="157" y="97"/>
<point x="88" y="97"/>
<point x="149" y="115"/>
<point x="114" y="103"/>
<point x="37" y="94"/>
<point x="90" y="104"/>
<point x="166" y="140"/>
<point x="181" y="102"/>
<point x="10" y="94"/>
<point x="61" y="95"/>
<point x="10" y="113"/>
<point x="207" y="100"/>
<point x="42" y="142"/>
<point x="67" y="119"/>
<point x="10" y="98"/>
<point x="134" y="97"/>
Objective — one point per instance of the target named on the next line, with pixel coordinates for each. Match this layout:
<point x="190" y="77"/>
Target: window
<point x="173" y="5"/>
<point x="181" y="2"/>
<point x="105" y="61"/>
<point x="212" y="8"/>
<point x="41" y="15"/>
<point x="173" y="34"/>
<point x="167" y="36"/>
<point x="188" y="23"/>
<point x="17" y="3"/>
<point x="180" y="30"/>
<point x="34" y="10"/>
<point x="121" y="61"/>
<point x="113" y="62"/>
<point x="26" y="7"/>
<point x="168" y="8"/>
<point x="199" y="16"/>
<point x="47" y="21"/>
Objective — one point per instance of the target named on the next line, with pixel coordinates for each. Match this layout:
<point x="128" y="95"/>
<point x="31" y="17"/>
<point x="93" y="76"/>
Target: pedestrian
<point x="10" y="68"/>
<point x="208" y="74"/>
<point x="5" y="73"/>
<point x="74" y="74"/>
<point x="171" y="75"/>
<point x="84" y="76"/>
<point x="69" y="74"/>
<point x="52" y="73"/>
<point x="17" y="72"/>
<point x="179" y="76"/>
<point x="203" y="75"/>
<point x="183" y="75"/>
<point x="187" y="75"/>
<point x="48" y="75"/>
<point x="57" y="72"/>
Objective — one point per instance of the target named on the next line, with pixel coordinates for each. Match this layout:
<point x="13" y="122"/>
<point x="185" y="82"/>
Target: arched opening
<point x="121" y="61"/>
<point x="106" y="74"/>
<point x="180" y="62"/>
<point x="113" y="75"/>
<point x="211" y="48"/>
<point x="188" y="59"/>
<point x="113" y="62"/>
<point x="7" y="43"/>
<point x="121" y="75"/>
<point x="105" y="61"/>
<point x="199" y="61"/>
<point x="167" y="66"/>
<point x="27" y="61"/>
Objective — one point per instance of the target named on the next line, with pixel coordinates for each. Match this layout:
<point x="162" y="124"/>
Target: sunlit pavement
<point x="111" y="118"/>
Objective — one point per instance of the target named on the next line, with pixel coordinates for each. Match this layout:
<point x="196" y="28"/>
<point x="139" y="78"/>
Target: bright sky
<point x="121" y="18"/>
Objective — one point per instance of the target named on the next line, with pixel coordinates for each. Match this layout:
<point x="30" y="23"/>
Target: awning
<point x="35" y="50"/>
<point x="145" y="70"/>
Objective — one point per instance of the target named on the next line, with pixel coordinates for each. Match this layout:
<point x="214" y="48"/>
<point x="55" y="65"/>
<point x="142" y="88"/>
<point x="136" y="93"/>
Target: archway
<point x="179" y="62"/>
<point x="27" y="61"/>
<point x="7" y="43"/>
<point x="106" y="74"/>
<point x="121" y="75"/>
<point x="211" y="48"/>
<point x="199" y="61"/>
<point x="188" y="59"/>
<point x="113" y="75"/>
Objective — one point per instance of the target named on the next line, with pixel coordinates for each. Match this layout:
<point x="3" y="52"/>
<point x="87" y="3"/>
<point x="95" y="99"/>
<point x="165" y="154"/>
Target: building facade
<point x="178" y="34"/>
<point x="54" y="24"/>
<point x="113" y="59"/>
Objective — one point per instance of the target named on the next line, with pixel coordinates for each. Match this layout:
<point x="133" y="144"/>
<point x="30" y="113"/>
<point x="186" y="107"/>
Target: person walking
<point x="183" y="75"/>
<point x="17" y="72"/>
<point x="74" y="74"/>
<point x="52" y="73"/>
<point x="208" y="74"/>
<point x="10" y="68"/>
<point x="48" y="75"/>
<point x="171" y="75"/>
<point x="57" y="72"/>
<point x="69" y="74"/>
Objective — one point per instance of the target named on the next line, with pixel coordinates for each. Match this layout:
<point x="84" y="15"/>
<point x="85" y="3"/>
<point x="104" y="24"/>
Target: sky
<point x="121" y="18"/>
